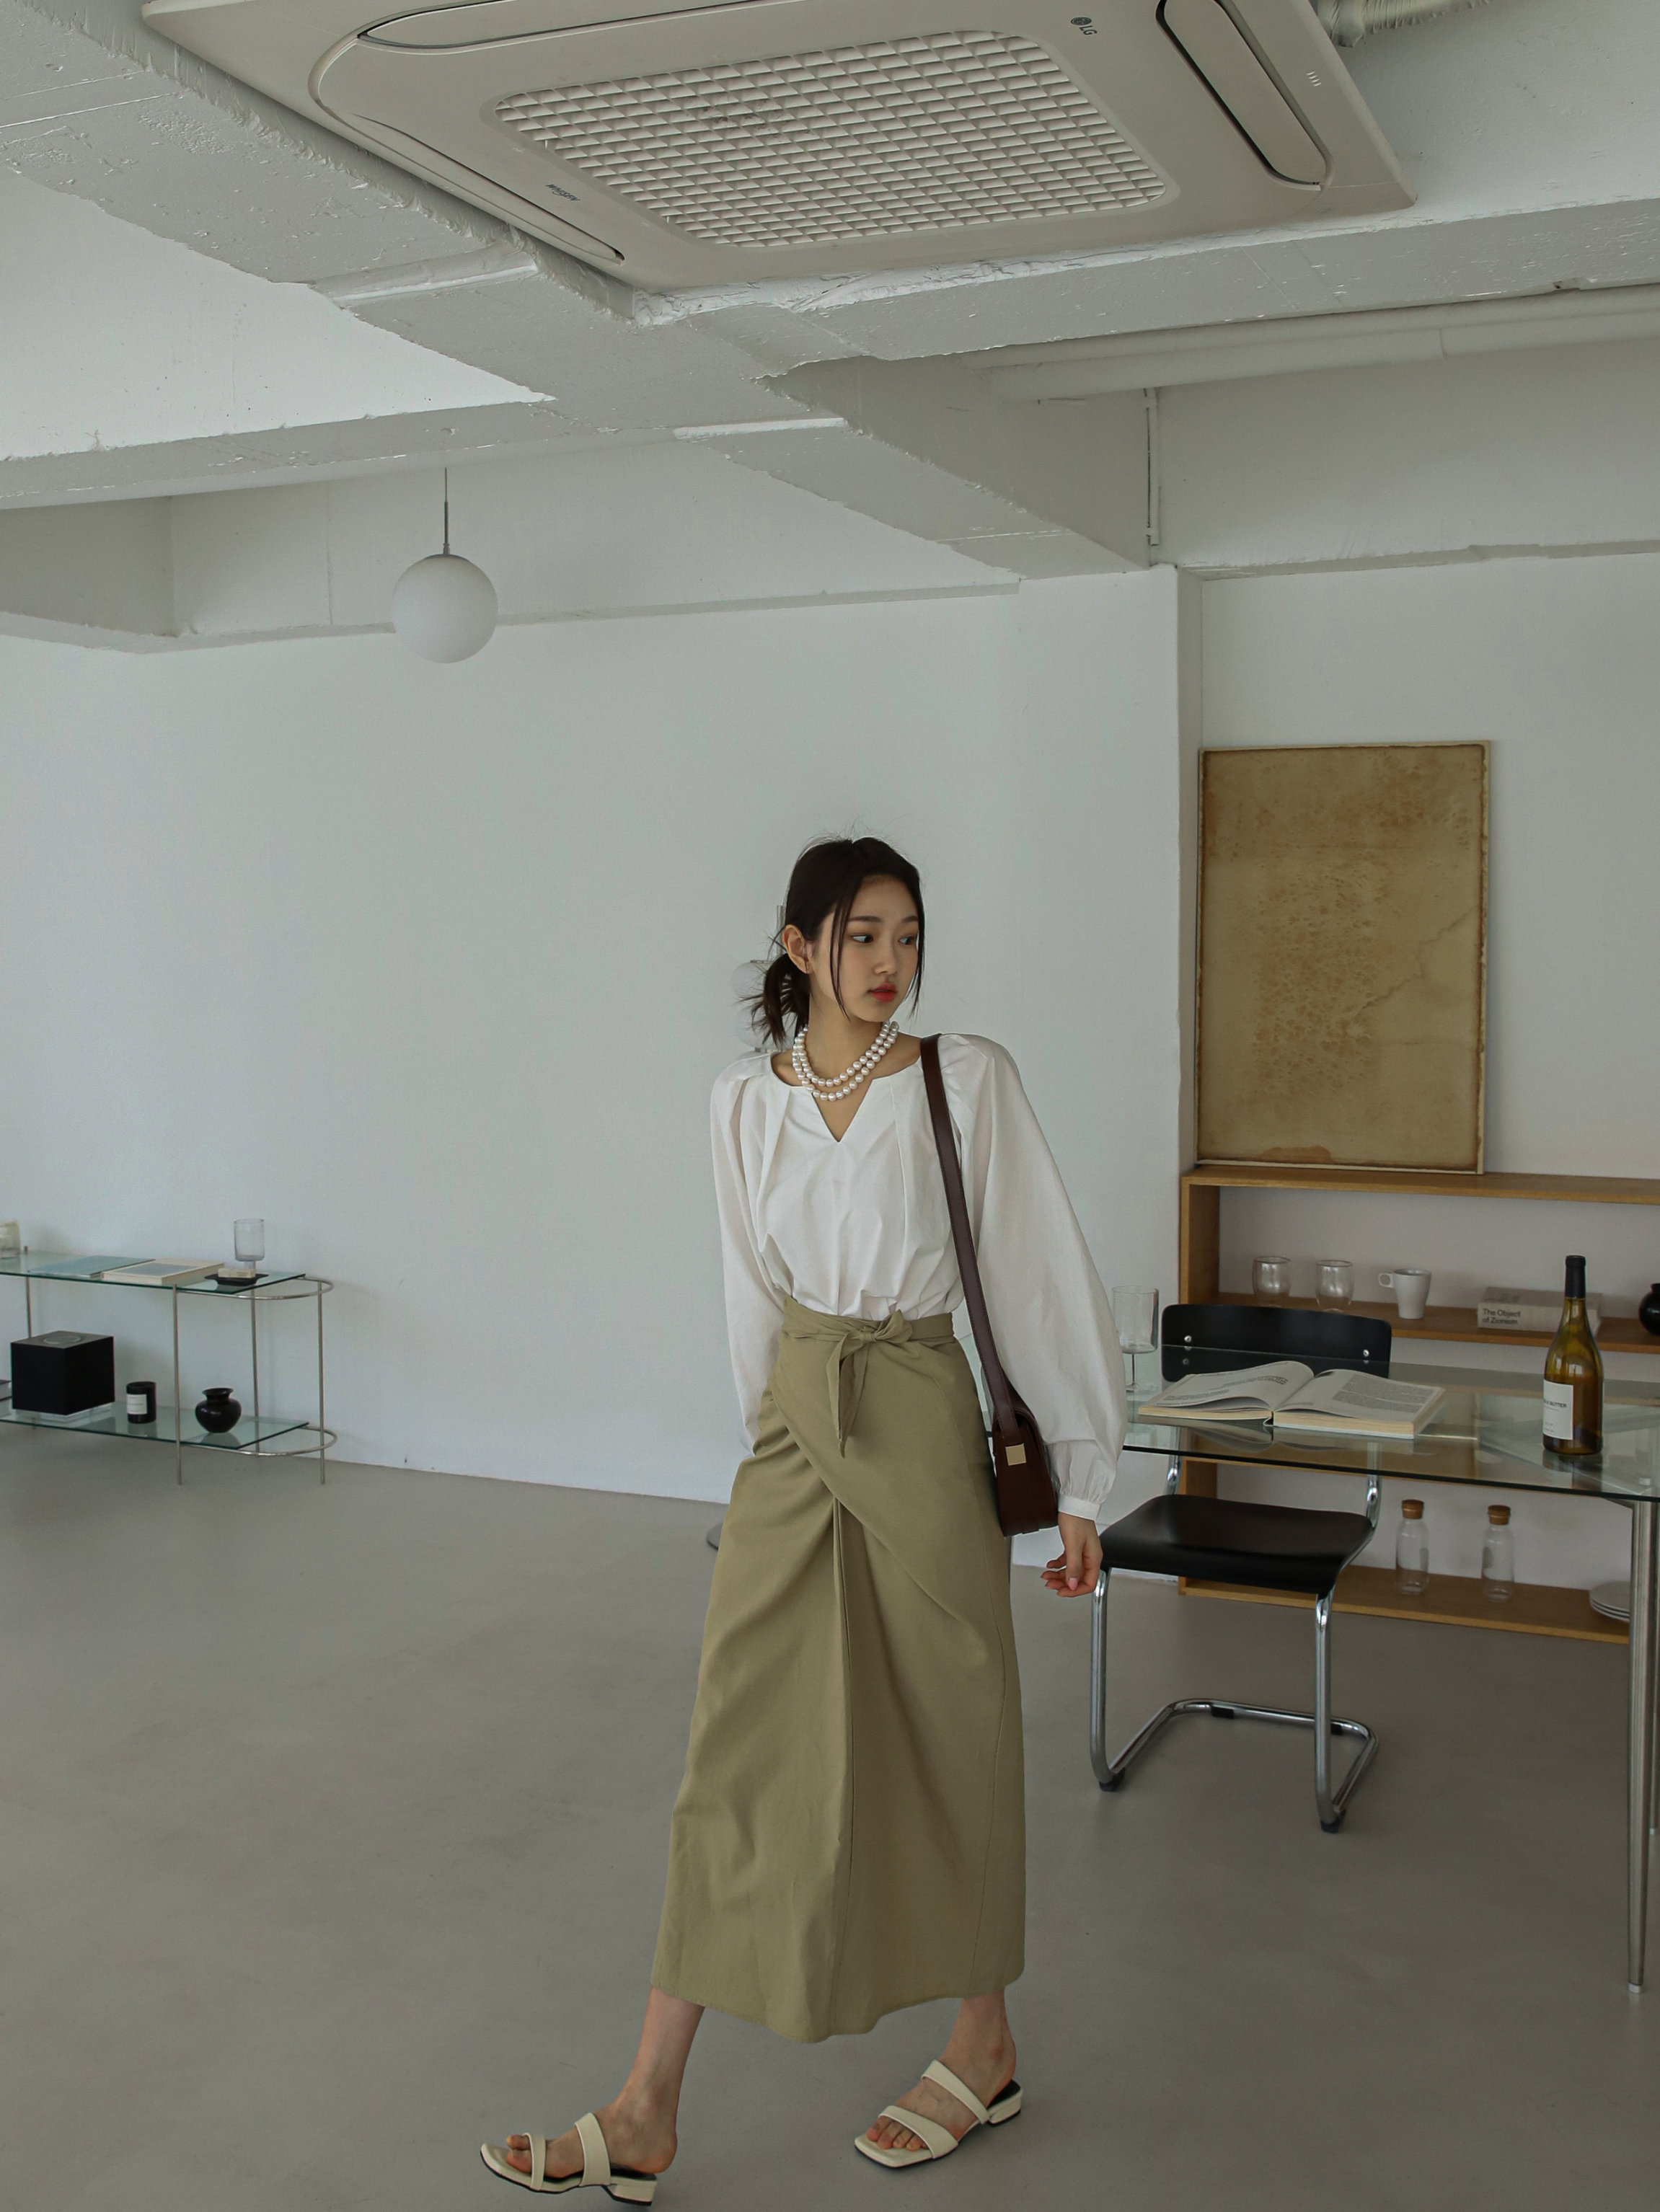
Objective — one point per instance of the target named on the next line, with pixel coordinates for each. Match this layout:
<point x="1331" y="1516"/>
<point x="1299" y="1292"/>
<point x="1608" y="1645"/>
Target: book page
<point x="1259" y="1389"/>
<point x="1344" y="1392"/>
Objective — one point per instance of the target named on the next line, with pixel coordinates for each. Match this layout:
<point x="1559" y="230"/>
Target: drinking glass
<point x="250" y="1241"/>
<point x="1270" y="1276"/>
<point x="11" y="1241"/>
<point x="1135" y="1315"/>
<point x="1333" y="1283"/>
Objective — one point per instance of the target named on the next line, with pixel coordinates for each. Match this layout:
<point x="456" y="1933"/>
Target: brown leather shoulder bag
<point x="1026" y="1493"/>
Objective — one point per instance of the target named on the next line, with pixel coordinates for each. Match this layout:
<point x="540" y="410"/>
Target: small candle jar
<point x="141" y="1401"/>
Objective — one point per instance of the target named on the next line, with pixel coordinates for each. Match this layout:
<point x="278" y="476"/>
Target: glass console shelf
<point x="89" y="1267"/>
<point x="111" y="1421"/>
<point x="1487" y="1431"/>
<point x="257" y="1429"/>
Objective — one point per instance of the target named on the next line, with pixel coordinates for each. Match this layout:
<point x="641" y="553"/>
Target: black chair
<point x="1218" y="1539"/>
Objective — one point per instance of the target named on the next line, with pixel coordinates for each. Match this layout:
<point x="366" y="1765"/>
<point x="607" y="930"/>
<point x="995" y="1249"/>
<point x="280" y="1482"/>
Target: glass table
<point x="1486" y="1432"/>
<point x="254" y="1433"/>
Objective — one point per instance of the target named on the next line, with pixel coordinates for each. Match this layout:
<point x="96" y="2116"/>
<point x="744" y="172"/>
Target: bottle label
<point x="1558" y="1411"/>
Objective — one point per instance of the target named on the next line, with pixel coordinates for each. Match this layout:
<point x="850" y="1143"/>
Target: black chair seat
<point x="1224" y="1539"/>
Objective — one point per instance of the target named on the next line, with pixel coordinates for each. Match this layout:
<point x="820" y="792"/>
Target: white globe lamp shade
<point x="444" y="608"/>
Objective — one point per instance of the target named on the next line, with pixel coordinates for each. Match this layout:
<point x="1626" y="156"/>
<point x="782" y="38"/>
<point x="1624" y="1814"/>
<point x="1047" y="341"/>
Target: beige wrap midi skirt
<point x="850" y="1835"/>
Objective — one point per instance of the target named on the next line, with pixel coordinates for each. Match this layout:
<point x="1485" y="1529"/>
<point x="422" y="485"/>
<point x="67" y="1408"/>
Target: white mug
<point x="1411" y="1286"/>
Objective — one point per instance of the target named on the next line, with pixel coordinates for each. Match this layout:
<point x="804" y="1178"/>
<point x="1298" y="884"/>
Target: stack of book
<point x="160" y="1275"/>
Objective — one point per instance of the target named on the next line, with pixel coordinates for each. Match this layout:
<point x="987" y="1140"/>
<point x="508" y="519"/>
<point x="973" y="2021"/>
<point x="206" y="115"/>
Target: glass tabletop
<point x="1488" y="1431"/>
<point x="91" y="1267"/>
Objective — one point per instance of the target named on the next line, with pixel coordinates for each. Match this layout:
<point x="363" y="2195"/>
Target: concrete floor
<point x="332" y="1825"/>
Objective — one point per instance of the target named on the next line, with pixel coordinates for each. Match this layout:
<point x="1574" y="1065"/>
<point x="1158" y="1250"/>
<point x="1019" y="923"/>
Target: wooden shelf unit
<point x="1200" y="1233"/>
<point x="1536" y="1609"/>
<point x="1458" y="1601"/>
<point x="1431" y="1182"/>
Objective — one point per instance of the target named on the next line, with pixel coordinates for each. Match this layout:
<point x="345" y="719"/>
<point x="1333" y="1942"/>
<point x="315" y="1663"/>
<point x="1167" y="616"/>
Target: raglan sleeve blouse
<point x="1048" y="1312"/>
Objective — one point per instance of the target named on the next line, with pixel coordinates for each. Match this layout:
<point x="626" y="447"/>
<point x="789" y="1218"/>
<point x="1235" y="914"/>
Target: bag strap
<point x="968" y="1263"/>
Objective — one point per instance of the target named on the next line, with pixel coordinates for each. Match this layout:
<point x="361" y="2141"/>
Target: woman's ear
<point x="796" y="945"/>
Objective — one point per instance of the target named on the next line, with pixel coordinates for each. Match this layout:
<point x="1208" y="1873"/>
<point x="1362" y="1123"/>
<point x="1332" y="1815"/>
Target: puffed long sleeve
<point x="755" y="1310"/>
<point x="1051" y="1318"/>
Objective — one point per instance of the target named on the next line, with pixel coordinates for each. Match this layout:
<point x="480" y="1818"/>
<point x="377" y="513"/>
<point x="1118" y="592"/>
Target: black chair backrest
<point x="1208" y="1340"/>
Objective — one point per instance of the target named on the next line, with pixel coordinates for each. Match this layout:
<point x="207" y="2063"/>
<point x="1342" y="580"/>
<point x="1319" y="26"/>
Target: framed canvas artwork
<point x="1342" y="955"/>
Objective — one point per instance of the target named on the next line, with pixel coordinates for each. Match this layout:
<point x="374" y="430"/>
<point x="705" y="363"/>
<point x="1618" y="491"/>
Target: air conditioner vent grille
<point x="936" y="132"/>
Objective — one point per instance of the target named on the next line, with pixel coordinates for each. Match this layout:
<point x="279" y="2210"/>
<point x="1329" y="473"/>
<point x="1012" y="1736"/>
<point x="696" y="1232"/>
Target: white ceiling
<point x="197" y="290"/>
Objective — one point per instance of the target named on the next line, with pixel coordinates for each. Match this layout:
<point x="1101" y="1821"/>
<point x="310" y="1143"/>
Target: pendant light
<point x="444" y="608"/>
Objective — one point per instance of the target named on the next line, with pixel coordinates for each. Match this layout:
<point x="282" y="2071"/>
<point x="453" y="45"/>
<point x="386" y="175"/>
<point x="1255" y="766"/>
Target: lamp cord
<point x="446" y="510"/>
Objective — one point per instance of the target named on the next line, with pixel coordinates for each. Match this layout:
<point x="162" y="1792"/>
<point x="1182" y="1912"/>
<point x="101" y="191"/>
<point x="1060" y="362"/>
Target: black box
<point x="62" y="1372"/>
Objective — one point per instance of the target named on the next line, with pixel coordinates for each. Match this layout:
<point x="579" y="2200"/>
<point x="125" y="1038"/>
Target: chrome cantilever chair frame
<point x="1332" y="1803"/>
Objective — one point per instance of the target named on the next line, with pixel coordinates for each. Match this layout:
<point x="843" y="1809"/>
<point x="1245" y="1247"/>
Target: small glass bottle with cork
<point x="1498" y="1557"/>
<point x="1412" y="1549"/>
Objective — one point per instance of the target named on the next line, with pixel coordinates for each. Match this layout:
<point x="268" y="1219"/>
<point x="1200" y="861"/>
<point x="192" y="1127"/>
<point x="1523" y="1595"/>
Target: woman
<point x="849" y="1836"/>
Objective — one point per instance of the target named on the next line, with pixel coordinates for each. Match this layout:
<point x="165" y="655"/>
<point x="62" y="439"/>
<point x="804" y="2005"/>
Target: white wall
<point x="432" y="967"/>
<point x="1556" y="664"/>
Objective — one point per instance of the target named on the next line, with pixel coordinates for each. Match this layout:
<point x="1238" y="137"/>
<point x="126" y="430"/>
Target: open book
<point x="1337" y="1402"/>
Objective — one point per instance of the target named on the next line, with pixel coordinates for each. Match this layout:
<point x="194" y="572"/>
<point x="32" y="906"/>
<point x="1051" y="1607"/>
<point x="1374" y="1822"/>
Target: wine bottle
<point x="1574" y="1375"/>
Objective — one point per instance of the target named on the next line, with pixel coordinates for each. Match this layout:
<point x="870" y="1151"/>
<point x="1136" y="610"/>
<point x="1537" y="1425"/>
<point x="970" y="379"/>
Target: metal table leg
<point x="1641" y="1719"/>
<point x="322" y="1415"/>
<point x="177" y="1400"/>
<point x="253" y="1341"/>
<point x="1100" y="1757"/>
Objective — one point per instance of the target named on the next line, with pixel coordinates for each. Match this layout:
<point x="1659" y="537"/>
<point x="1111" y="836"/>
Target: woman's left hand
<point x="1078" y="1570"/>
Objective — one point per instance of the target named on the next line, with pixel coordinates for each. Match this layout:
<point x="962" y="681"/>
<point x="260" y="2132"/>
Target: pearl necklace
<point x="838" y="1086"/>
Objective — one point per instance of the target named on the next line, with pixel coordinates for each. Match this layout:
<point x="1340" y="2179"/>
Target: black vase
<point x="1649" y="1312"/>
<point x="218" y="1411"/>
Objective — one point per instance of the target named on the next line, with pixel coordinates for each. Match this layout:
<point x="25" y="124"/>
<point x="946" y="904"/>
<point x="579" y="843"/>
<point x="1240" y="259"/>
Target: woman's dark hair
<point x="824" y="884"/>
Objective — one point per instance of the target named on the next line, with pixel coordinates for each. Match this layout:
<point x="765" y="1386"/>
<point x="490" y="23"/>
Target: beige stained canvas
<point x="1342" y="955"/>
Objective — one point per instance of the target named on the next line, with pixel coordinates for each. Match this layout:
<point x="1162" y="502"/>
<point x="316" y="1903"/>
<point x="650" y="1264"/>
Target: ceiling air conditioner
<point x="764" y="138"/>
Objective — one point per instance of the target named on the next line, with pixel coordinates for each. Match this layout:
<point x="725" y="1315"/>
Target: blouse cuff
<point x="1083" y="1476"/>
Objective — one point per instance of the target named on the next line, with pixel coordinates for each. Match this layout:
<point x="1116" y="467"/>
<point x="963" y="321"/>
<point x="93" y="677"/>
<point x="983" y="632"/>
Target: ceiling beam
<point x="923" y="444"/>
<point x="1282" y="346"/>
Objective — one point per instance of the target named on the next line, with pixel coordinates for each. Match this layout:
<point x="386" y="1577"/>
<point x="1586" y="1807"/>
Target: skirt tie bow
<point x="849" y="1361"/>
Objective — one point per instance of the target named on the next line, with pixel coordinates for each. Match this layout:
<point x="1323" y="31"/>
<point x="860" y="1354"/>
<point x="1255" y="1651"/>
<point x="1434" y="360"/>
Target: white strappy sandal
<point x="941" y="2141"/>
<point x="597" y="2172"/>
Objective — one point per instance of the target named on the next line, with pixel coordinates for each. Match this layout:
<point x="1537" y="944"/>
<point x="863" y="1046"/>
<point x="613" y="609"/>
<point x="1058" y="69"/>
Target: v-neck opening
<point x="818" y="1105"/>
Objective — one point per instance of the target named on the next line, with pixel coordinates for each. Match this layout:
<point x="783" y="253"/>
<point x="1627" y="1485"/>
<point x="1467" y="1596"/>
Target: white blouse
<point x="860" y="1228"/>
